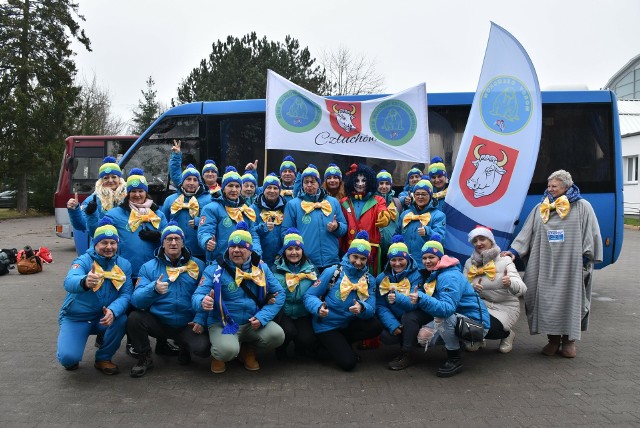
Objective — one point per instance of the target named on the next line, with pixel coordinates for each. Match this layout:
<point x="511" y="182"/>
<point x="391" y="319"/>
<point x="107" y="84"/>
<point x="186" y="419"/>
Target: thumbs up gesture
<point x="108" y="317"/>
<point x="422" y="231"/>
<point x="478" y="285"/>
<point x="271" y="223"/>
<point x="356" y="308"/>
<point x="207" y="302"/>
<point x="391" y="297"/>
<point x="323" y="311"/>
<point x="161" y="286"/>
<point x="92" y="278"/>
<point x="506" y="281"/>
<point x="414" y="297"/>
<point x="333" y="225"/>
<point x="251" y="165"/>
<point x="211" y="243"/>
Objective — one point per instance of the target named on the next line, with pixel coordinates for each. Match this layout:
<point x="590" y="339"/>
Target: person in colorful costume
<point x="185" y="205"/>
<point x="319" y="219"/>
<point x="342" y="303"/>
<point x="235" y="293"/>
<point x="420" y="220"/>
<point x="333" y="183"/>
<point x="162" y="299"/>
<point x="401" y="321"/>
<point x="296" y="274"/>
<point x="445" y="293"/>
<point x="98" y="289"/>
<point x="439" y="179"/>
<point x="269" y="209"/>
<point x="219" y="218"/>
<point x="385" y="191"/>
<point x="499" y="285"/>
<point x="562" y="239"/>
<point x="406" y="196"/>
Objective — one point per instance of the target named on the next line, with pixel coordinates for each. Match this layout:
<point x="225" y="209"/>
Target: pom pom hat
<point x="109" y="167"/>
<point x="136" y="180"/>
<point x="209" y="165"/>
<point x="292" y="239"/>
<point x="413" y="171"/>
<point x="360" y="245"/>
<point x="106" y="230"/>
<point x="384" y="175"/>
<point x="271" y="180"/>
<point x="481" y="231"/>
<point x="241" y="237"/>
<point x="230" y="176"/>
<point x="398" y="248"/>
<point x="424" y="184"/>
<point x="437" y="167"/>
<point x="332" y="171"/>
<point x="288" y="163"/>
<point x="311" y="171"/>
<point x="190" y="171"/>
<point x="172" y="229"/>
<point x="249" y="178"/>
<point x="433" y="246"/>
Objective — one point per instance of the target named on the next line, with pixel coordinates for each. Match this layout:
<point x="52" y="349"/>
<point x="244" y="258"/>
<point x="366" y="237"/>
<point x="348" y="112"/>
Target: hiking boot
<point x="402" y="361"/>
<point x="452" y="366"/>
<point x="553" y="346"/>
<point x="99" y="340"/>
<point x="217" y="366"/>
<point x="473" y="347"/>
<point x="106" y="367"/>
<point x="184" y="357"/>
<point x="144" y="363"/>
<point x="568" y="347"/>
<point x="506" y="344"/>
<point x="164" y="347"/>
<point x="247" y="356"/>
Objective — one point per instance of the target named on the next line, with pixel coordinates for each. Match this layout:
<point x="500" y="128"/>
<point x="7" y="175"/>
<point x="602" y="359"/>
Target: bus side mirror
<point x="69" y="164"/>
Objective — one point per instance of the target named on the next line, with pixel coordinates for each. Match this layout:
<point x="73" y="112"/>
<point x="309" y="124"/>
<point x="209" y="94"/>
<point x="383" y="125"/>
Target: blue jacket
<point x="294" y="304"/>
<point x="82" y="221"/>
<point x="182" y="217"/>
<point x="270" y="241"/>
<point x="438" y="202"/>
<point x="453" y="294"/>
<point x="241" y="307"/>
<point x="131" y="246"/>
<point x="390" y="315"/>
<point x="414" y="242"/>
<point x="214" y="221"/>
<point x="321" y="246"/>
<point x="339" y="316"/>
<point x="174" y="307"/>
<point x="86" y="305"/>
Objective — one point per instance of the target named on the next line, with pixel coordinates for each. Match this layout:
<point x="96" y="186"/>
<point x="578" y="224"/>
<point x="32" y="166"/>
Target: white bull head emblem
<point x="489" y="172"/>
<point x="345" y="117"/>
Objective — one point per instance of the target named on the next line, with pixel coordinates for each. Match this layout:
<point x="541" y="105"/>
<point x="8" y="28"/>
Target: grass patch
<point x="633" y="221"/>
<point x="10" y="213"/>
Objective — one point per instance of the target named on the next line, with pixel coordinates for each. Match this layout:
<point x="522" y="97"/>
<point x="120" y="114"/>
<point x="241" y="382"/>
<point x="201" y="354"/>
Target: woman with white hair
<point x="562" y="240"/>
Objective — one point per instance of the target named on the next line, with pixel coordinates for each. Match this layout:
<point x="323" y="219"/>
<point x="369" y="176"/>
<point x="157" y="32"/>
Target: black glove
<point x="91" y="207"/>
<point x="149" y="235"/>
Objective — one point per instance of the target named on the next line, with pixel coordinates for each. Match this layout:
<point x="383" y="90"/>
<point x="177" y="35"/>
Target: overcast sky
<point x="441" y="43"/>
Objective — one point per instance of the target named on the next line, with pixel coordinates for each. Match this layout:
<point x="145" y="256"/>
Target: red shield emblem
<point x="487" y="171"/>
<point x="345" y="117"/>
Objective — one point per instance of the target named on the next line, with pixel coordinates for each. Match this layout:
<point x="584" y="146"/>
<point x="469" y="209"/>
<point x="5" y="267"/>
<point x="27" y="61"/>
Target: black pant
<point x="142" y="324"/>
<point x="411" y="322"/>
<point x="299" y="330"/>
<point x="496" y="329"/>
<point x="338" y="342"/>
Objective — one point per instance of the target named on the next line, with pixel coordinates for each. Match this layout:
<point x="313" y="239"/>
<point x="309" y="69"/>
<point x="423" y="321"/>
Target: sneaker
<point x="164" y="347"/>
<point x="473" y="347"/>
<point x="402" y="361"/>
<point x="106" y="367"/>
<point x="218" y="366"/>
<point x="132" y="352"/>
<point x="184" y="357"/>
<point x="144" y="363"/>
<point x="247" y="356"/>
<point x="506" y="344"/>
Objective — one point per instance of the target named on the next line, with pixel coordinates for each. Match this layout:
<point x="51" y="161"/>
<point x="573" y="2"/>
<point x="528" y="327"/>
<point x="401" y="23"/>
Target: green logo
<point x="296" y="113"/>
<point x="306" y="219"/>
<point x="393" y="122"/>
<point x="227" y="222"/>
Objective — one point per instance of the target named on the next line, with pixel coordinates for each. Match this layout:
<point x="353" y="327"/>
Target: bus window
<point x="86" y="163"/>
<point x="242" y="141"/>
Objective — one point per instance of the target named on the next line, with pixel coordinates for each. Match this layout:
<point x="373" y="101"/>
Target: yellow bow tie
<point x="116" y="275"/>
<point x="136" y="219"/>
<point x="286" y="192"/>
<point x="277" y="216"/>
<point x="237" y="213"/>
<point x="191" y="268"/>
<point x="561" y="205"/>
<point x="357" y="196"/>
<point x="325" y="206"/>
<point x="213" y="189"/>
<point x="293" y="279"/>
<point x="192" y="206"/>
<point x="422" y="218"/>
<point x="256" y="275"/>
<point x="429" y="287"/>
<point x="346" y="287"/>
<point x="489" y="269"/>
<point x="402" y="287"/>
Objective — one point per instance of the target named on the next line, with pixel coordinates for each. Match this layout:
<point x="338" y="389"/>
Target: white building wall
<point x="630" y="148"/>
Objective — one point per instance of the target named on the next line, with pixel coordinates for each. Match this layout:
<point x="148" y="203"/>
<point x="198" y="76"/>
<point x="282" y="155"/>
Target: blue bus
<point x="580" y="133"/>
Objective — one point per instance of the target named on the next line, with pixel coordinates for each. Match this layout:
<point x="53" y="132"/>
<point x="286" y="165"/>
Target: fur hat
<point x="136" y="180"/>
<point x="106" y="230"/>
<point x="360" y="245"/>
<point x="433" y="246"/>
<point x="481" y="231"/>
<point x="108" y="167"/>
<point x="352" y="175"/>
<point x="241" y="237"/>
<point x="172" y="229"/>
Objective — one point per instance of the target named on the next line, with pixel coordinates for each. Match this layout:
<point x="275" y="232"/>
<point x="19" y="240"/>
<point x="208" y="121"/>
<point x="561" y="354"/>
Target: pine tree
<point x="148" y="109"/>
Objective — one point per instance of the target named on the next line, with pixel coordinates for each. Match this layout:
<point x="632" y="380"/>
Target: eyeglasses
<point x="420" y="195"/>
<point x="174" y="239"/>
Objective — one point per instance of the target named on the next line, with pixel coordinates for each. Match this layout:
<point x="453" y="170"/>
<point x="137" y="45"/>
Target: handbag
<point x="28" y="261"/>
<point x="468" y="329"/>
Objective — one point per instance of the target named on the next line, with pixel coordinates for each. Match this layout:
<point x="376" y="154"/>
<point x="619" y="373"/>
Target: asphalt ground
<point x="524" y="388"/>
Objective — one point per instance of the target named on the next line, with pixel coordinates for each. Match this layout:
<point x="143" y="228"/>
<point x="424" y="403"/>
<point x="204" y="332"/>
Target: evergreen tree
<point x="37" y="92"/>
<point x="237" y="69"/>
<point x="148" y="109"/>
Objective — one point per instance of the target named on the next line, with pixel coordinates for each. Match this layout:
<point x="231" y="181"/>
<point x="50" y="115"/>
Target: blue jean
<point x="448" y="334"/>
<point x="73" y="336"/>
<point x="225" y="347"/>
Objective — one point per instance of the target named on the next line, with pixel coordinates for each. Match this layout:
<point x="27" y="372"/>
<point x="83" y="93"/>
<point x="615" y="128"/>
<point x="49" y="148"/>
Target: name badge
<point x="555" y="235"/>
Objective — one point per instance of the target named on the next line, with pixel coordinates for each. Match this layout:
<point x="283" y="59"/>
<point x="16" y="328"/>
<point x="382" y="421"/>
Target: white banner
<point x="499" y="148"/>
<point x="394" y="127"/>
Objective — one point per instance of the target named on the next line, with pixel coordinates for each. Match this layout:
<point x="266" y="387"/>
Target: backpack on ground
<point x="5" y="263"/>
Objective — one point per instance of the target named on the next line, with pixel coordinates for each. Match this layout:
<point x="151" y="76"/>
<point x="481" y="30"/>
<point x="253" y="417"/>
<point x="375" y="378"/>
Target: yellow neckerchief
<point x="489" y="269"/>
<point x="402" y="287"/>
<point x="361" y="287"/>
<point x="429" y="287"/>
<point x="192" y="206"/>
<point x="116" y="275"/>
<point x="393" y="211"/>
<point x="256" y="275"/>
<point x="293" y="279"/>
<point x="236" y="213"/>
<point x="191" y="268"/>
<point x="561" y="205"/>
<point x="286" y="192"/>
<point x="325" y="206"/>
<point x="441" y="194"/>
<point x="422" y="218"/>
<point x="136" y="219"/>
<point x="277" y="216"/>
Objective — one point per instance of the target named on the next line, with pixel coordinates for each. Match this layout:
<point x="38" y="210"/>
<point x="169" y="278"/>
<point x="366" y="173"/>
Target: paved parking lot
<point x="600" y="387"/>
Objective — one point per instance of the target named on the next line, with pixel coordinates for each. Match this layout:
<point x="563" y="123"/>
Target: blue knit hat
<point x="241" y="237"/>
<point x="106" y="230"/>
<point x="413" y="171"/>
<point x="360" y="245"/>
<point x="136" y="180"/>
<point x="191" y="171"/>
<point x="433" y="246"/>
<point x="398" y="248"/>
<point x="109" y="167"/>
<point x="172" y="229"/>
<point x="231" y="175"/>
<point x="292" y="239"/>
<point x="436" y="167"/>
<point x="311" y="171"/>
<point x="247" y="177"/>
<point x="424" y="184"/>
<point x="209" y="165"/>
<point x="288" y="163"/>
<point x="384" y="175"/>
<point x="271" y="180"/>
<point x="332" y="171"/>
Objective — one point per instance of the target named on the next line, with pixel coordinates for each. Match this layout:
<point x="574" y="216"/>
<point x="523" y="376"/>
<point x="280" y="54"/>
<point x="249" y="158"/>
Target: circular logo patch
<point x="236" y="240"/>
<point x="393" y="122"/>
<point x="505" y="105"/>
<point x="107" y="170"/>
<point x="231" y="287"/>
<point x="361" y="247"/>
<point x="227" y="222"/>
<point x="108" y="233"/>
<point x="135" y="182"/>
<point x="306" y="219"/>
<point x="296" y="113"/>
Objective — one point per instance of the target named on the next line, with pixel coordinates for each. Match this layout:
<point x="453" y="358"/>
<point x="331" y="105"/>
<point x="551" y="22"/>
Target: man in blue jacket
<point x="162" y="300"/>
<point x="235" y="292"/>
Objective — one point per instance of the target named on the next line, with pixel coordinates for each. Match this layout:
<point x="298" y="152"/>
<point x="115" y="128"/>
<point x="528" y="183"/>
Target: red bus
<point x="82" y="158"/>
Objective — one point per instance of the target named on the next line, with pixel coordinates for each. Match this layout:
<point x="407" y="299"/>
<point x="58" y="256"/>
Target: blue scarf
<point x="572" y="194"/>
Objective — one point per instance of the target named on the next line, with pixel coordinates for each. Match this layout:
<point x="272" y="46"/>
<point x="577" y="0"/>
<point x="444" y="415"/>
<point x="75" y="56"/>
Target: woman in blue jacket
<point x="343" y="304"/>
<point x="401" y="324"/>
<point x="438" y="176"/>
<point x="296" y="274"/>
<point x="269" y="209"/>
<point x="406" y="196"/>
<point x="452" y="294"/>
<point x="98" y="289"/>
